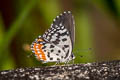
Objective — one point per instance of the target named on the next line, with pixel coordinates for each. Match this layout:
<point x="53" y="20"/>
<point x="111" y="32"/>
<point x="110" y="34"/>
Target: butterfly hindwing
<point x="67" y="20"/>
<point x="47" y="52"/>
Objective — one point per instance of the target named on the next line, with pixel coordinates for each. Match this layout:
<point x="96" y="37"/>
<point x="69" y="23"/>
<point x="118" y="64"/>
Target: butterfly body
<point x="56" y="44"/>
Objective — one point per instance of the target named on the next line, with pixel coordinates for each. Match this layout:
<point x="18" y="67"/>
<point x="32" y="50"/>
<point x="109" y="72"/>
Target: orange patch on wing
<point x="39" y="40"/>
<point x="41" y="52"/>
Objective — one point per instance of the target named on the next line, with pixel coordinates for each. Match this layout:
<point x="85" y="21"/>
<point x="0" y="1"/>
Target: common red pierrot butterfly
<point x="56" y="44"/>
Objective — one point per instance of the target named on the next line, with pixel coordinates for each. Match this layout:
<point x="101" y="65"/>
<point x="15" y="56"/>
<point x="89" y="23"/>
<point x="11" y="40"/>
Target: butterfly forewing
<point x="67" y="20"/>
<point x="61" y="32"/>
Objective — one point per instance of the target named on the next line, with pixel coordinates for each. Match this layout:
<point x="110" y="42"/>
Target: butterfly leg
<point x="66" y="63"/>
<point x="73" y="61"/>
<point x="58" y="62"/>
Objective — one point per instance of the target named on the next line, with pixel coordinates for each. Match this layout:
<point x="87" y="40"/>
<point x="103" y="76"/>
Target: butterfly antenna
<point x="82" y="50"/>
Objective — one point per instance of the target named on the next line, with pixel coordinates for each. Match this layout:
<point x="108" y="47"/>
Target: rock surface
<point x="90" y="71"/>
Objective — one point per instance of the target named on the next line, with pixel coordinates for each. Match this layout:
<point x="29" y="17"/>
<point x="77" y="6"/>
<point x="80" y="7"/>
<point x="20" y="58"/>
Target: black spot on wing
<point x="51" y="58"/>
<point x="57" y="54"/>
<point x="44" y="50"/>
<point x="52" y="50"/>
<point x="56" y="41"/>
<point x="65" y="33"/>
<point x="67" y="54"/>
<point x="43" y="47"/>
<point x="61" y="56"/>
<point x="66" y="46"/>
<point x="65" y="39"/>
<point x="52" y="46"/>
<point x="59" y="51"/>
<point x="58" y="59"/>
<point x="48" y="54"/>
<point x="63" y="48"/>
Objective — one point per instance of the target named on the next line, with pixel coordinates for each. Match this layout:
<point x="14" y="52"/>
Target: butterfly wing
<point x="67" y="20"/>
<point x="47" y="52"/>
<point x="61" y="35"/>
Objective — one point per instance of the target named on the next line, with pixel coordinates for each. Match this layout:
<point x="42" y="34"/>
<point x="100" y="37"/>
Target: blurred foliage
<point x="22" y="21"/>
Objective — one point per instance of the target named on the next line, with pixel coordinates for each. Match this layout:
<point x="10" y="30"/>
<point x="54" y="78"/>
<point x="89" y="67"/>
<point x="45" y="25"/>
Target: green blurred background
<point x="21" y="21"/>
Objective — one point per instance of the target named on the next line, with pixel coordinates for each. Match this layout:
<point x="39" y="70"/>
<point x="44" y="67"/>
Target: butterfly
<point x="56" y="44"/>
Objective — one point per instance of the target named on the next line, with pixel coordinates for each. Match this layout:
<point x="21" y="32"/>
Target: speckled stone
<point x="90" y="71"/>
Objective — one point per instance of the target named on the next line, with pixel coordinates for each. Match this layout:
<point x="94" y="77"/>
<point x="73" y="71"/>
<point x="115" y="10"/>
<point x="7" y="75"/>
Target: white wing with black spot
<point x="53" y="53"/>
<point x="62" y="33"/>
<point x="56" y="44"/>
